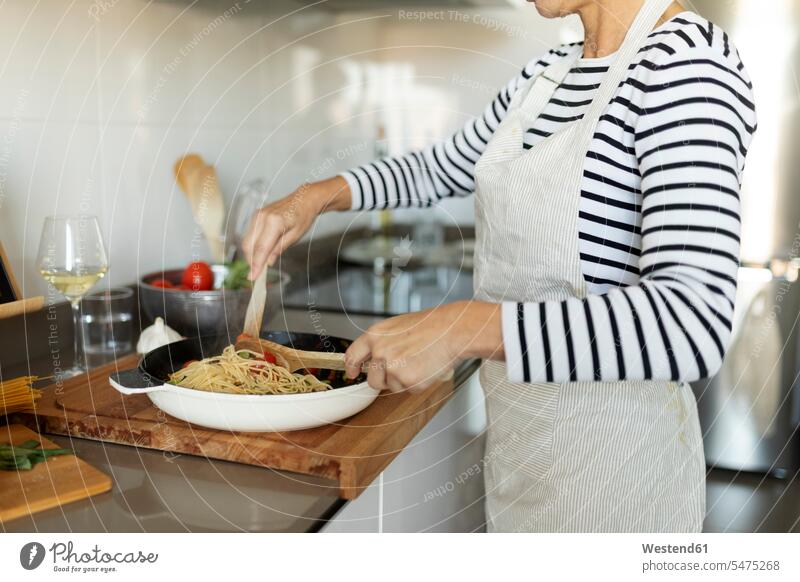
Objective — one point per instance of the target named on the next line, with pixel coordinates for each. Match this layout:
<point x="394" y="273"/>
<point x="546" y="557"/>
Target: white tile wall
<point x="101" y="96"/>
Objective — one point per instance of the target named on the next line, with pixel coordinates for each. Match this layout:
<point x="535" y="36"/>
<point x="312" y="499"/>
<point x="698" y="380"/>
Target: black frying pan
<point x="157" y="365"/>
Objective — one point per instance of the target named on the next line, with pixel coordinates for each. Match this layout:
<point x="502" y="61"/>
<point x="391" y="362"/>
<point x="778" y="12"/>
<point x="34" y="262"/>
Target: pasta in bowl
<point x="244" y="372"/>
<point x="229" y="396"/>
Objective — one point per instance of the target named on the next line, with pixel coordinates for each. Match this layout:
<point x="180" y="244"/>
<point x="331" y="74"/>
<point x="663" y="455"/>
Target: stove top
<point x="363" y="291"/>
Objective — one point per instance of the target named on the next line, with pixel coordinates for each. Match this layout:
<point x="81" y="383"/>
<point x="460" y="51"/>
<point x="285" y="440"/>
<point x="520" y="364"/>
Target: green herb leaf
<point x="24" y="456"/>
<point x="28" y="445"/>
<point x="237" y="275"/>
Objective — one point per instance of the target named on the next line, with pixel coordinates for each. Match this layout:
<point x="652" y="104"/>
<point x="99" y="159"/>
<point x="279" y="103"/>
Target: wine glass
<point x="72" y="259"/>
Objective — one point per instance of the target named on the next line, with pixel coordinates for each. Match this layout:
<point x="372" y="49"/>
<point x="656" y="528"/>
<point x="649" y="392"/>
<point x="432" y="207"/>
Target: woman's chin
<point x="548" y="8"/>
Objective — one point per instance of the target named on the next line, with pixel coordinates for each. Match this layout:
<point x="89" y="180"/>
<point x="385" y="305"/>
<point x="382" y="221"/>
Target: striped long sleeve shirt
<point x="658" y="215"/>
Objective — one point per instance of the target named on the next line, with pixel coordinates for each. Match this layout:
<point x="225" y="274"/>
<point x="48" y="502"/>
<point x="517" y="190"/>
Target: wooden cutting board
<point x="352" y="452"/>
<point x="51" y="483"/>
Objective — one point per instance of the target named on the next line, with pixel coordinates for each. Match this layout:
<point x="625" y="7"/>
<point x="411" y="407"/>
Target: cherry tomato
<point x="270" y="357"/>
<point x="198" y="276"/>
<point x="163" y="283"/>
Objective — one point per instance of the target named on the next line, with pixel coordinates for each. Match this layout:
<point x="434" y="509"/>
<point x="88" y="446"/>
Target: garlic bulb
<point x="155" y="336"/>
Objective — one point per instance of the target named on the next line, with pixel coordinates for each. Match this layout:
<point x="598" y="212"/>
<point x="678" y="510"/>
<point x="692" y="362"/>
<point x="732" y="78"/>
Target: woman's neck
<point x="606" y="22"/>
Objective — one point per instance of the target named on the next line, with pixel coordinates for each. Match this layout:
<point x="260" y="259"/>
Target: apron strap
<point x="542" y="87"/>
<point x="558" y="71"/>
<point x="642" y="26"/>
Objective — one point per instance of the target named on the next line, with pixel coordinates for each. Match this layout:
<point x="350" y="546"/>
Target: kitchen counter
<point x="157" y="491"/>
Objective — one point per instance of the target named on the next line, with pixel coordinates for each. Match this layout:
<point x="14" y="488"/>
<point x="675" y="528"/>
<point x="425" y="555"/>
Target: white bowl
<point x="254" y="412"/>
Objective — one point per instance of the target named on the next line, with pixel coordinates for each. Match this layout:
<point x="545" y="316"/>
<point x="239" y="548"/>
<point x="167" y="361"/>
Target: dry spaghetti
<point x="244" y="372"/>
<point x="17" y="395"/>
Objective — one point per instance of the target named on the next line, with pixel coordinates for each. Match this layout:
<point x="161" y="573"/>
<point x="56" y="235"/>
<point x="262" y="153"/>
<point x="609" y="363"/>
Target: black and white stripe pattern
<point x="659" y="210"/>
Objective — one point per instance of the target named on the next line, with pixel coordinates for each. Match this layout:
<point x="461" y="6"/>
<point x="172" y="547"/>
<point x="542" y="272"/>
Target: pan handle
<point x="134" y="381"/>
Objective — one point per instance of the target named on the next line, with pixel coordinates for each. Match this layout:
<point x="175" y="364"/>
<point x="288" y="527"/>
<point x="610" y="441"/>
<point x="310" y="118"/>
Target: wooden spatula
<point x="289" y="358"/>
<point x="201" y="186"/>
<point x="255" y="309"/>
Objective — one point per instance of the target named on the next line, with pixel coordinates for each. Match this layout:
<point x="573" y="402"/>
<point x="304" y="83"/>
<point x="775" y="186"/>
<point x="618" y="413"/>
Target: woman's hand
<point x="279" y="225"/>
<point x="414" y="351"/>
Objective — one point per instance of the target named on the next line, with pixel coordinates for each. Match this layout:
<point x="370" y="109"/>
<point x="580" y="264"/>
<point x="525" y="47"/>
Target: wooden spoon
<point x="201" y="186"/>
<point x="293" y="359"/>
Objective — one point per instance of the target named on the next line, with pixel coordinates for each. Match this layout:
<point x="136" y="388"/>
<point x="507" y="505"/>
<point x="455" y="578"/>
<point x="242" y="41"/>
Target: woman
<point x="607" y="180"/>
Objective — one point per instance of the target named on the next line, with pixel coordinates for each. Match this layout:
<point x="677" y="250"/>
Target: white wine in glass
<point x="72" y="259"/>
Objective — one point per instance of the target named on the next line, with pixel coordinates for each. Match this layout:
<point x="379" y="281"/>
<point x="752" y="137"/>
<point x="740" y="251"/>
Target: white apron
<point x="580" y="456"/>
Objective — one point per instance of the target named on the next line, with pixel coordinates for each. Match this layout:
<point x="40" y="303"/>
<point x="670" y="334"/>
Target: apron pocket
<point x="521" y="420"/>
